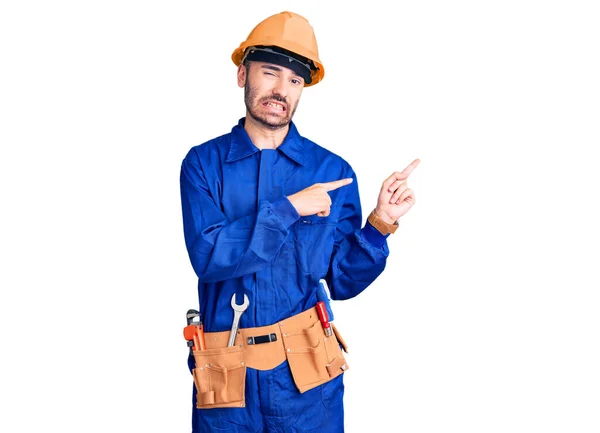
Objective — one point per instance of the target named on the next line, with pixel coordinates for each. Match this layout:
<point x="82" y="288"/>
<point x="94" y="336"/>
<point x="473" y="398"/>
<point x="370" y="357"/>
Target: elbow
<point x="211" y="268"/>
<point x="200" y="265"/>
<point x="348" y="286"/>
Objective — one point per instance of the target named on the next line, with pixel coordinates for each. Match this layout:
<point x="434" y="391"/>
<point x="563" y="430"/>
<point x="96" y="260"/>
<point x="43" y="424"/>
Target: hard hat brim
<point x="317" y="73"/>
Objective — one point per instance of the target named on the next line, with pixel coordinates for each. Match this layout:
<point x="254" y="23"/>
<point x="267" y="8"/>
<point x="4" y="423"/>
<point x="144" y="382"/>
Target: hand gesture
<point x="395" y="198"/>
<point x="315" y="199"/>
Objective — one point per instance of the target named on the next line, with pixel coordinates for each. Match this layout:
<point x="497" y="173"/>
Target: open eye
<point x="296" y="81"/>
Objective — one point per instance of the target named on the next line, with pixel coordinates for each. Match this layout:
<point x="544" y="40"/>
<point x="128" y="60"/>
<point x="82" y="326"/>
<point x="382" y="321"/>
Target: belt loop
<point x="260" y="339"/>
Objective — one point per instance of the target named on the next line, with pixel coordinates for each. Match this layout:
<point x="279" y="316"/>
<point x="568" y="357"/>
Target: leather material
<point x="383" y="227"/>
<point x="314" y="358"/>
<point x="220" y="377"/>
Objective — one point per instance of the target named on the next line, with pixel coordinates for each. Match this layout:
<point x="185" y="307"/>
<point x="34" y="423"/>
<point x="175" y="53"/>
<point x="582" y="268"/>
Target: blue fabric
<point x="243" y="235"/>
<point x="273" y="405"/>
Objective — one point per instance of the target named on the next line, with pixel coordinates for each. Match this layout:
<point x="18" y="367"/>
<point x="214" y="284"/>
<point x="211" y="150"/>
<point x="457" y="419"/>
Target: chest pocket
<point x="314" y="243"/>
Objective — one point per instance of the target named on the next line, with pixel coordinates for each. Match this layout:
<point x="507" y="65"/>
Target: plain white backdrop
<point x="487" y="316"/>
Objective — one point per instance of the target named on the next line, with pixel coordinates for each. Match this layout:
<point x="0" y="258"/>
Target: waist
<point x="263" y="346"/>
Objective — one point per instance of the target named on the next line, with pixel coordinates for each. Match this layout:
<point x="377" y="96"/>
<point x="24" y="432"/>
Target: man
<point x="272" y="225"/>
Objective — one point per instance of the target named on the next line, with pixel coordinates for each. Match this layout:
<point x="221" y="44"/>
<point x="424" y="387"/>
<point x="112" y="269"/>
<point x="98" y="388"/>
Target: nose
<point x="281" y="88"/>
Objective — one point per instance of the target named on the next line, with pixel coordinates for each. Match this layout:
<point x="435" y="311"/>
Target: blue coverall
<point x="241" y="231"/>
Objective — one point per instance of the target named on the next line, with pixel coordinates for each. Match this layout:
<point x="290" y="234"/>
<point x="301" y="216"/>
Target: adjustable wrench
<point x="237" y="313"/>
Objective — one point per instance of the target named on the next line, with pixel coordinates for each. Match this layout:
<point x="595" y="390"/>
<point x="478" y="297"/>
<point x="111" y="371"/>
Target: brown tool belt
<point x="314" y="358"/>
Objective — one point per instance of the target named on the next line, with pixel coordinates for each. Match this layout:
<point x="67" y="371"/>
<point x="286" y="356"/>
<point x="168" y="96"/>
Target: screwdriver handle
<point x="324" y="318"/>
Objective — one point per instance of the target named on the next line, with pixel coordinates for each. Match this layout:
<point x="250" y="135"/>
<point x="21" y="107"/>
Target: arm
<point x="359" y="255"/>
<point x="220" y="249"/>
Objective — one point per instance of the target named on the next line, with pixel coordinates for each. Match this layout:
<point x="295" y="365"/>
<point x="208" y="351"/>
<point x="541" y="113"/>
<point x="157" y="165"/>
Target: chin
<point x="272" y="121"/>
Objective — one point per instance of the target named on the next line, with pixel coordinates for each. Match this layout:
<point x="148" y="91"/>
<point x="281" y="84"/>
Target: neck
<point x="263" y="137"/>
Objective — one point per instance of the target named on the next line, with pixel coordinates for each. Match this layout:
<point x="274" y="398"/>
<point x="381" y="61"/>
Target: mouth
<point x="275" y="106"/>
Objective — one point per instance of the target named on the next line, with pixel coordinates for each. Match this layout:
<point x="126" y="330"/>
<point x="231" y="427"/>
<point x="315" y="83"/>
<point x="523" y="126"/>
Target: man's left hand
<point x="395" y="197"/>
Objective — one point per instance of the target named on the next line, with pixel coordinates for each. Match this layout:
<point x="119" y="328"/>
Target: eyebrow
<point x="272" y="67"/>
<point x="278" y="69"/>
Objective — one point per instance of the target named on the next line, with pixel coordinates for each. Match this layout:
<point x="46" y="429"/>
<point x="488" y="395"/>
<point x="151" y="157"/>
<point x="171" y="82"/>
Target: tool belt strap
<point x="267" y="355"/>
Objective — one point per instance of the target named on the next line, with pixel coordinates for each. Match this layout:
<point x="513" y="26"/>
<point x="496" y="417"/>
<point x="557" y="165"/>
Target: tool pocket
<point x="314" y="243"/>
<point x="220" y="377"/>
<point x="313" y="357"/>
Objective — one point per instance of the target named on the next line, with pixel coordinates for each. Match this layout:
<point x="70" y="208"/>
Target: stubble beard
<point x="271" y="122"/>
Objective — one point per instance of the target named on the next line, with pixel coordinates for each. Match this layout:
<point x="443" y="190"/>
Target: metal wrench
<point x="237" y="313"/>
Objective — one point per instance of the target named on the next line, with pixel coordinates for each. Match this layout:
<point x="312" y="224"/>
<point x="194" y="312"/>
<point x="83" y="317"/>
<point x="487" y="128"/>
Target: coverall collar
<point x="293" y="146"/>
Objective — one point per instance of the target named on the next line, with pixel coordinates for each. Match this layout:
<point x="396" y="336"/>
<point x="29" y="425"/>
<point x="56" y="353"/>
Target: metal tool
<point x="323" y="294"/>
<point x="194" y="331"/>
<point x="237" y="313"/>
<point x="192" y="317"/>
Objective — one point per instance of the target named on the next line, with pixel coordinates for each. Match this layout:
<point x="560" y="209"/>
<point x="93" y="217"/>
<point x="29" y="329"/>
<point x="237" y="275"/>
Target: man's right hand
<point x="315" y="199"/>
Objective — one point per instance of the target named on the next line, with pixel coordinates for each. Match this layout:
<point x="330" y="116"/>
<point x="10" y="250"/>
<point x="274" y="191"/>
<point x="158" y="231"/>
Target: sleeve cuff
<point x="286" y="211"/>
<point x="373" y="236"/>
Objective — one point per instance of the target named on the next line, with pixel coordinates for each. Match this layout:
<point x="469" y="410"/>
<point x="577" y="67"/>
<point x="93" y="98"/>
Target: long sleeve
<point x="359" y="254"/>
<point x="220" y="249"/>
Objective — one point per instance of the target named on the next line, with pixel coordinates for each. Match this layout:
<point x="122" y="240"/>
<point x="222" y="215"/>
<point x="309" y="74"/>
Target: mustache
<point x="276" y="98"/>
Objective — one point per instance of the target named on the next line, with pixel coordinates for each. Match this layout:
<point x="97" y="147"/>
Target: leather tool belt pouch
<point x="220" y="377"/>
<point x="314" y="358"/>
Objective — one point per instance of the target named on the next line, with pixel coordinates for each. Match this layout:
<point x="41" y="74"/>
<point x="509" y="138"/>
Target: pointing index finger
<point x="401" y="175"/>
<point x="408" y="170"/>
<point x="330" y="186"/>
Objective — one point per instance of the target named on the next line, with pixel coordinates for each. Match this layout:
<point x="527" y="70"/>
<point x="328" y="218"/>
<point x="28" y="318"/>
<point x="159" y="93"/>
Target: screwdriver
<point x="323" y="295"/>
<point x="324" y="318"/>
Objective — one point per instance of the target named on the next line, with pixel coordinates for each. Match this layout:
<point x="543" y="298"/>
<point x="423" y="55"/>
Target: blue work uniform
<point x="244" y="236"/>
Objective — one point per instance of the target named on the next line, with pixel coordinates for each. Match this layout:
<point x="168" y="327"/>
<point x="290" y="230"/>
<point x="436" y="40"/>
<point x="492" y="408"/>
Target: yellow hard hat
<point x="290" y="32"/>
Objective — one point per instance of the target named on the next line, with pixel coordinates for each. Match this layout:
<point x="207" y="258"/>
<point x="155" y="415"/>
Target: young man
<point x="272" y="225"/>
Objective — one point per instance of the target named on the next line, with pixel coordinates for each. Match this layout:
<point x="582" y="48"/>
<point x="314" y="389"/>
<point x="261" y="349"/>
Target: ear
<point x="241" y="75"/>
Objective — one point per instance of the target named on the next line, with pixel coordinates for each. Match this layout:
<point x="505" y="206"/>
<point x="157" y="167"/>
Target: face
<point x="271" y="93"/>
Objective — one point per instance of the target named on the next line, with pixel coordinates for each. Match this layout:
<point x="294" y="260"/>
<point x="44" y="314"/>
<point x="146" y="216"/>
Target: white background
<point x="487" y="316"/>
